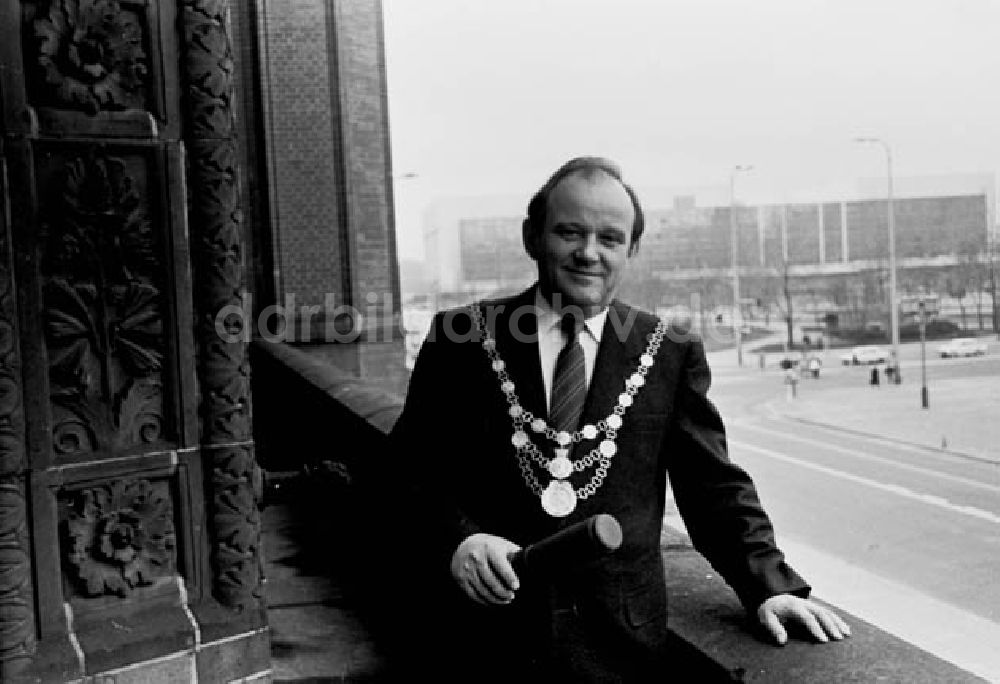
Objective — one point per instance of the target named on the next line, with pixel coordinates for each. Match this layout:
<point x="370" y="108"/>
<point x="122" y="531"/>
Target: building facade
<point x="833" y="254"/>
<point x="176" y="178"/>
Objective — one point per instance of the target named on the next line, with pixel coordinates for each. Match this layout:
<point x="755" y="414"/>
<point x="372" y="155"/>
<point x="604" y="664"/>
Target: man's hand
<point x="821" y="623"/>
<point x="482" y="570"/>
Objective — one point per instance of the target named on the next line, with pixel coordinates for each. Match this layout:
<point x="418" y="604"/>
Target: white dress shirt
<point x="551" y="340"/>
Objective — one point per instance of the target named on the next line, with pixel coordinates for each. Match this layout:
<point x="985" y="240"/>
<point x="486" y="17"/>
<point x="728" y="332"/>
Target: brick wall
<point x="304" y="172"/>
<point x="361" y="83"/>
<point x="248" y="111"/>
<point x="330" y="173"/>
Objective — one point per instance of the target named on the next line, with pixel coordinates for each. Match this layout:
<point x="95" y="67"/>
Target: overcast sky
<point x="490" y="96"/>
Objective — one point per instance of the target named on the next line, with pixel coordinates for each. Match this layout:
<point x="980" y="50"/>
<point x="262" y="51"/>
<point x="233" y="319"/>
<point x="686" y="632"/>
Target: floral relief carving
<point x="18" y="641"/>
<point x="89" y="54"/>
<point x="11" y="416"/>
<point x="119" y="536"/>
<point x="17" y="638"/>
<point x="103" y="312"/>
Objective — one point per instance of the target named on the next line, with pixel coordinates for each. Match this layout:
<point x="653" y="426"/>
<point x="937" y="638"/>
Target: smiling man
<point x="582" y="232"/>
<point x="541" y="410"/>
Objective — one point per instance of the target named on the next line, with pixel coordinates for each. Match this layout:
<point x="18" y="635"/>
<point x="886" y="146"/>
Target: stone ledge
<point x="713" y="638"/>
<point x="379" y="408"/>
<point x="706" y="615"/>
<point x="303" y="406"/>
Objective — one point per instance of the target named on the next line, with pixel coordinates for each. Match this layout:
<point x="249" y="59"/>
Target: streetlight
<point x="735" y="258"/>
<point x="924" y="399"/>
<point x="893" y="305"/>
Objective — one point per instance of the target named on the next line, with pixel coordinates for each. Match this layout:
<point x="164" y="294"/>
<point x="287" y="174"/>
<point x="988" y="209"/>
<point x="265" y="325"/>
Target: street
<point x="904" y="536"/>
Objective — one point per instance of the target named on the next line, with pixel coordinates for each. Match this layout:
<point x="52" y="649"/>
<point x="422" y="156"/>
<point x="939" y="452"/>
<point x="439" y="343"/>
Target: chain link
<point x="529" y="476"/>
<point x="522" y="420"/>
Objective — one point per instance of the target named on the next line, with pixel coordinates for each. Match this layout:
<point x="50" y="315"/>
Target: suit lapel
<point x="516" y="333"/>
<point x="621" y="345"/>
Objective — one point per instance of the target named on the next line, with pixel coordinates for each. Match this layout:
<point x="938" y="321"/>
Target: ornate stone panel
<point x="117" y="537"/>
<point x="125" y="489"/>
<point x="103" y="280"/>
<point x="89" y="55"/>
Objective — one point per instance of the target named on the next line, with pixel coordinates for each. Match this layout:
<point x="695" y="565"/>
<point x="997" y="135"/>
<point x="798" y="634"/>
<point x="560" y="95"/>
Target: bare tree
<point x="969" y="277"/>
<point x="777" y="289"/>
<point x="977" y="293"/>
<point x="957" y="292"/>
<point x="788" y="310"/>
<point x="992" y="266"/>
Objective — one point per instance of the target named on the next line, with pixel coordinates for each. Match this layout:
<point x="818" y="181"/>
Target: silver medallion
<point x="560" y="467"/>
<point x="559" y="499"/>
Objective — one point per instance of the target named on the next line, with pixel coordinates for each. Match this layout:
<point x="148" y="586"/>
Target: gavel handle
<point x="597" y="536"/>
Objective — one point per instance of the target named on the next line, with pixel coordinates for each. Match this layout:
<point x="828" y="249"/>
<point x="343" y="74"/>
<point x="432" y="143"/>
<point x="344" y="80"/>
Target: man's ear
<point x="530" y="239"/>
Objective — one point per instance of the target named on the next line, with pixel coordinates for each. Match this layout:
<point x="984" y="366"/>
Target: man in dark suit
<point x="528" y="414"/>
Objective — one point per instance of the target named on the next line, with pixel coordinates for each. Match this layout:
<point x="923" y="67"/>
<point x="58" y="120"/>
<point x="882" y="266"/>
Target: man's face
<point x="583" y="248"/>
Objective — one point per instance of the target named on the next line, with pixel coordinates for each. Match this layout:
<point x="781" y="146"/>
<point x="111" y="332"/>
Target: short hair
<point x="586" y="166"/>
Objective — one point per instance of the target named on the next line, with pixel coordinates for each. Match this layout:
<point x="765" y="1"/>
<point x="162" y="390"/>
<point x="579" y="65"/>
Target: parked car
<point x="962" y="346"/>
<point x="865" y="355"/>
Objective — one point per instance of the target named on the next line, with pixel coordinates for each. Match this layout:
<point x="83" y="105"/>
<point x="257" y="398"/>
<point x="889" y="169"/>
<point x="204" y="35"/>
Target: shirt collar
<point x="549" y="319"/>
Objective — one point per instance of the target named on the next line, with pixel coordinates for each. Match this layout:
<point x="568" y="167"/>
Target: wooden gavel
<point x="597" y="536"/>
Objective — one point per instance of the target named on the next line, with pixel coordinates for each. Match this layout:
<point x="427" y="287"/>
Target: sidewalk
<point x="963" y="415"/>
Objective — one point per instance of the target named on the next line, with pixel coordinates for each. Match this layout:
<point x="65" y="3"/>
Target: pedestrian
<point x="791" y="382"/>
<point x="527" y="414"/>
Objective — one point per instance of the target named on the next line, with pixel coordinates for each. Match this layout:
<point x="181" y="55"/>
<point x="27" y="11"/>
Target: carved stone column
<point x="218" y="264"/>
<point x="17" y="623"/>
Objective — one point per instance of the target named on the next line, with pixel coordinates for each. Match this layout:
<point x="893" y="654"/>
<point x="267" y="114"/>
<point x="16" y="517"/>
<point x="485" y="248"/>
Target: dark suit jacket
<point x="455" y="432"/>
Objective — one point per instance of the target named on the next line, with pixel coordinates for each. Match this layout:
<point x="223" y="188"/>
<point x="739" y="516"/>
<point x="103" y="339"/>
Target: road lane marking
<point x="951" y="633"/>
<point x="872" y="457"/>
<point x="899" y="490"/>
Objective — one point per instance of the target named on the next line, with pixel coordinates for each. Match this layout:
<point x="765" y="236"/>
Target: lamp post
<point x="735" y="259"/>
<point x="893" y="303"/>
<point x="924" y="398"/>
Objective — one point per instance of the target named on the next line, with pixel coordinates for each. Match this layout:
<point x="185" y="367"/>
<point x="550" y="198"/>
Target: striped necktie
<point x="569" y="383"/>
